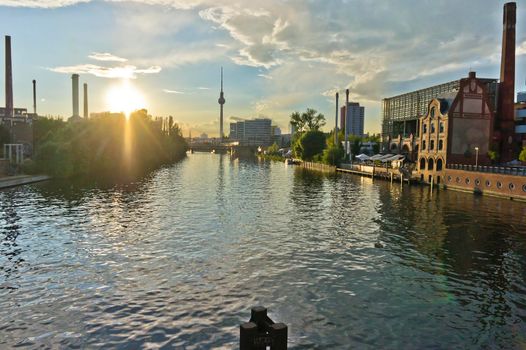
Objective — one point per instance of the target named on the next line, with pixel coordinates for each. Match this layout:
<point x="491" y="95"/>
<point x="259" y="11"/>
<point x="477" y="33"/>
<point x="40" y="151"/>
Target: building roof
<point x="446" y="101"/>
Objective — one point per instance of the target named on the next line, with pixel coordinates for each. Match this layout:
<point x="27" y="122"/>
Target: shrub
<point x="310" y="144"/>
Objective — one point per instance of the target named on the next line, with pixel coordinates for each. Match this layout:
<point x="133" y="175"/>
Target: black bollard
<point x="261" y="332"/>
<point x="278" y="333"/>
<point x="247" y="332"/>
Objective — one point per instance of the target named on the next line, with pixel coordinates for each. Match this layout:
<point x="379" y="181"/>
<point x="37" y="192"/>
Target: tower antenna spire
<point x="221" y="101"/>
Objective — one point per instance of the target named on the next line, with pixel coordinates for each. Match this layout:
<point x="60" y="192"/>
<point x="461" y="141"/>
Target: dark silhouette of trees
<point x="109" y="147"/>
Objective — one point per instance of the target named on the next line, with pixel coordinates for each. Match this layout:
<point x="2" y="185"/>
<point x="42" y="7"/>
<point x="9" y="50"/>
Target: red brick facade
<point x="502" y="185"/>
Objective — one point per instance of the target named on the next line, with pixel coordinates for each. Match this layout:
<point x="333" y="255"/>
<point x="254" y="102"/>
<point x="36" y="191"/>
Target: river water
<point x="177" y="259"/>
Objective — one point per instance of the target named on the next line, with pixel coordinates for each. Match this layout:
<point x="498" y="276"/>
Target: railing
<point x="517" y="171"/>
<point x="318" y="166"/>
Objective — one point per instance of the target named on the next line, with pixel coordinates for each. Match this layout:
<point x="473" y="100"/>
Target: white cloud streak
<point x="106" y="57"/>
<point x="121" y="72"/>
<point x="173" y="92"/>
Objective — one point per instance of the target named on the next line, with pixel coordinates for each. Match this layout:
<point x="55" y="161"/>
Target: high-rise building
<point x="356" y="117"/>
<point x="257" y="132"/>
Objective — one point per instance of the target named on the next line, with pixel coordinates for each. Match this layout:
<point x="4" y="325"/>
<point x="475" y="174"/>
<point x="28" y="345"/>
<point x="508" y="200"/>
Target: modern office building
<point x="401" y="113"/>
<point x="252" y="132"/>
<point x="355" y="119"/>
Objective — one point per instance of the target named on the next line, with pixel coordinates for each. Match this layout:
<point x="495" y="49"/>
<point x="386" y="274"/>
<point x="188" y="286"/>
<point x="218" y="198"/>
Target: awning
<point x="362" y="157"/>
<point x="393" y="158"/>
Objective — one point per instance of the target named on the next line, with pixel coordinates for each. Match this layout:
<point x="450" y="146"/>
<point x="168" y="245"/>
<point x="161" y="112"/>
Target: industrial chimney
<point x="85" y="101"/>
<point x="8" y="79"/>
<point x="75" y="88"/>
<point x="506" y="111"/>
<point x="34" y="96"/>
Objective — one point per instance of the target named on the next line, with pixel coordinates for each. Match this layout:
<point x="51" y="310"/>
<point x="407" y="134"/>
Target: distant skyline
<point x="278" y="56"/>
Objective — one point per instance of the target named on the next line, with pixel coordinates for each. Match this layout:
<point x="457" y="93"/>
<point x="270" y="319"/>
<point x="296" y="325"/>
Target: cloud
<point x="173" y="92"/>
<point x="203" y="88"/>
<point x="122" y="72"/>
<point x="177" y="4"/>
<point x="521" y="49"/>
<point x="306" y="50"/>
<point x="107" y="57"/>
<point x="40" y="3"/>
<point x="268" y="77"/>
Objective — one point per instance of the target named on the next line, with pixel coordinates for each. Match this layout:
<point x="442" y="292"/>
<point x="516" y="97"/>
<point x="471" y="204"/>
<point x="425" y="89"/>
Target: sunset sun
<point x="125" y="98"/>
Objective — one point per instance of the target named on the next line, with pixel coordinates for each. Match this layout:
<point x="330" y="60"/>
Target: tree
<point x="273" y="150"/>
<point x="493" y="156"/>
<point x="4" y="138"/>
<point x="307" y="121"/>
<point x="333" y="154"/>
<point x="310" y="144"/>
<point x="522" y="155"/>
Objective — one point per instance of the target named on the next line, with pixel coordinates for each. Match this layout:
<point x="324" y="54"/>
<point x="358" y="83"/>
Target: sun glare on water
<point x="125" y="98"/>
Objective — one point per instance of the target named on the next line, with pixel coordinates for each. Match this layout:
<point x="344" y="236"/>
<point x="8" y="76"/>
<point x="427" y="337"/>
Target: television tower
<point x="221" y="101"/>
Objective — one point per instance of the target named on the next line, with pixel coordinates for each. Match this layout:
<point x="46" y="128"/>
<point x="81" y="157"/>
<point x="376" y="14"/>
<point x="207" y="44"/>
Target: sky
<point x="279" y="56"/>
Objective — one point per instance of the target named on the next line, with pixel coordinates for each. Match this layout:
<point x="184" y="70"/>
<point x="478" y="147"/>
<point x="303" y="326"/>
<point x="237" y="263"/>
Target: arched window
<point x="424" y="128"/>
<point x="441" y="128"/>
<point x="439" y="164"/>
<point x="430" y="164"/>
<point x="440" y="145"/>
<point x="432" y="145"/>
<point x="424" y="145"/>
<point x="422" y="164"/>
<point x="432" y="128"/>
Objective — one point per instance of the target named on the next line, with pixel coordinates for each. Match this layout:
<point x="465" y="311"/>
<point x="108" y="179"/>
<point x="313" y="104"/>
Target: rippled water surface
<point x="177" y="260"/>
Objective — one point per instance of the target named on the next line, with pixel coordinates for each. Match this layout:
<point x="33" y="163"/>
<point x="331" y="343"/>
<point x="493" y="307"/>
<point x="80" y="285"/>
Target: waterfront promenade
<point x="19" y="180"/>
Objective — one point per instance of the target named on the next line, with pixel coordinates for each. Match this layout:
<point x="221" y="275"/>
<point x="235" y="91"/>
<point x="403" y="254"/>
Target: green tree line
<point x="105" y="147"/>
<point x="311" y="144"/>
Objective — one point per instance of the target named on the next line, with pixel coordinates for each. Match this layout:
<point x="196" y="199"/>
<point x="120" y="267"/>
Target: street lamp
<point x="476" y="157"/>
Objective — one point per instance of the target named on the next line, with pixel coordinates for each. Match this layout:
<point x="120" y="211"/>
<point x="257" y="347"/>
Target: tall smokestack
<point x="34" y="96"/>
<point x="75" y="88"/>
<point x="85" y="101"/>
<point x="506" y="111"/>
<point x="8" y="79"/>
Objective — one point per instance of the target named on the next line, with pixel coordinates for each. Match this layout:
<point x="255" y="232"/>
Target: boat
<point x="291" y="161"/>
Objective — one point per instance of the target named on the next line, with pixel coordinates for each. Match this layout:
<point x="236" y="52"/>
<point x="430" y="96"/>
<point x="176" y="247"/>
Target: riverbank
<point x="273" y="157"/>
<point x="507" y="186"/>
<point x="19" y="180"/>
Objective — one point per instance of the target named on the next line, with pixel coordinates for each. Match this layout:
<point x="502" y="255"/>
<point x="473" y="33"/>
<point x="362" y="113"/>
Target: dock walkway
<point x="11" y="181"/>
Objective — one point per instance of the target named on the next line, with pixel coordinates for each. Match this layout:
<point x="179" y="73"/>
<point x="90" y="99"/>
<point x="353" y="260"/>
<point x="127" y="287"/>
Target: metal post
<point x="432" y="182"/>
<point x="476" y="157"/>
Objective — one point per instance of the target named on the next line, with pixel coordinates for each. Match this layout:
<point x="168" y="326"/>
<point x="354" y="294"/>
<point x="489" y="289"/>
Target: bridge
<point x="232" y="147"/>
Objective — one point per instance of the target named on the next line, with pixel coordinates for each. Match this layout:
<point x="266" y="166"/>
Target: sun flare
<point x="125" y="98"/>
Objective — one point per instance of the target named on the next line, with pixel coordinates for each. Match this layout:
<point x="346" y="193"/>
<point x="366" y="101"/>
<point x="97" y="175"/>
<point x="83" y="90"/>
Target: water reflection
<point x="177" y="259"/>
